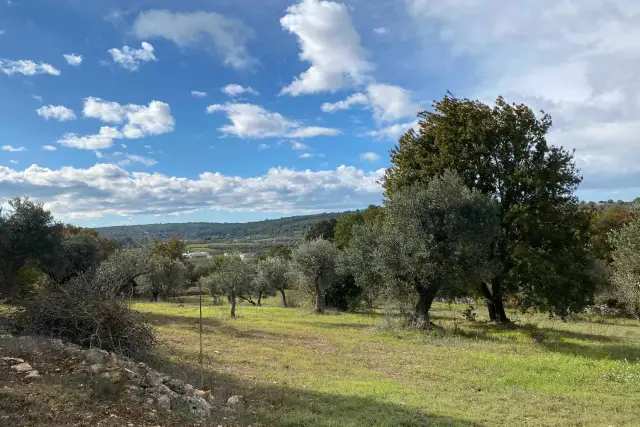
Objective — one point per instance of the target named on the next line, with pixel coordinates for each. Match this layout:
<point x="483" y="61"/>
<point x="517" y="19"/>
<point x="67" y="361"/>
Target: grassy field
<point x="299" y="369"/>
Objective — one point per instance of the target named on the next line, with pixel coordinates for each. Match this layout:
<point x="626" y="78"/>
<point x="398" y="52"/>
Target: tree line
<point x="476" y="204"/>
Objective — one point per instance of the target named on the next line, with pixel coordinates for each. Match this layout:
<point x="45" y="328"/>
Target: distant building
<point x="197" y="255"/>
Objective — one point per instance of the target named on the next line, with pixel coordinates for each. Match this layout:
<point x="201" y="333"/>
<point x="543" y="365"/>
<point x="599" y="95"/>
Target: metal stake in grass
<point x="201" y="364"/>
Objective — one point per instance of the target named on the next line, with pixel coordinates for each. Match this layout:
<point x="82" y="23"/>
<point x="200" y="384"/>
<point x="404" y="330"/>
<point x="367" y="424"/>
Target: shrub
<point x="79" y="313"/>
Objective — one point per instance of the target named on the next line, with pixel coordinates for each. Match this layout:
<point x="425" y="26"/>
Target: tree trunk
<point x="284" y="298"/>
<point x="259" y="299"/>
<point x="427" y="295"/>
<point x="154" y="295"/>
<point x="7" y="282"/>
<point x="233" y="306"/>
<point x="319" y="300"/>
<point x="495" y="304"/>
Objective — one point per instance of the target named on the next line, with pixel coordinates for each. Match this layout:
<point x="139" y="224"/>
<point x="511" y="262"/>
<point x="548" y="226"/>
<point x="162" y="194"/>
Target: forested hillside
<point x="291" y="228"/>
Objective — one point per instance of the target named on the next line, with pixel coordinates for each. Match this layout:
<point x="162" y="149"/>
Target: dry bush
<point x="85" y="315"/>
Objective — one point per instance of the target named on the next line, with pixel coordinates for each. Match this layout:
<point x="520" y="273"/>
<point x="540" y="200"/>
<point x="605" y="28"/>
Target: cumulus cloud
<point x="574" y="59"/>
<point x="198" y="94"/>
<point x="134" y="158"/>
<point x="330" y="43"/>
<point x="380" y="30"/>
<point x="235" y="90"/>
<point x="296" y="145"/>
<point x="389" y="103"/>
<point x="57" y="112"/>
<point x="12" y="148"/>
<point x="225" y="35"/>
<point x="351" y="101"/>
<point x="130" y="58"/>
<point x="73" y="59"/>
<point x="103" y="139"/>
<point x="253" y="121"/>
<point x="393" y="132"/>
<point x="139" y="120"/>
<point x="306" y="155"/>
<point x="109" y="189"/>
<point x="370" y="156"/>
<point x="27" y="67"/>
<point x="49" y="148"/>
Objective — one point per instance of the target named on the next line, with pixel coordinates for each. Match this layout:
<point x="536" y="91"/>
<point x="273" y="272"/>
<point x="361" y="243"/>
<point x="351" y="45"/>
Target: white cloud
<point x="27" y="67"/>
<point x="370" y="156"/>
<point x="147" y="161"/>
<point x="330" y="43"/>
<point x="299" y="146"/>
<point x="57" y="112"/>
<point x="253" y="121"/>
<point x="263" y="146"/>
<point x="139" y="120"/>
<point x="2" y="32"/>
<point x="130" y="58"/>
<point x="352" y="100"/>
<point x="198" y="94"/>
<point x="227" y="36"/>
<point x="574" y="59"/>
<point x="49" y="148"/>
<point x="306" y="155"/>
<point x="99" y="154"/>
<point x="235" y="90"/>
<point x="388" y="102"/>
<point x="73" y="59"/>
<point x="393" y="132"/>
<point x="37" y="98"/>
<point x="12" y="148"/>
<point x="125" y="145"/>
<point x="103" y="139"/>
<point x="15" y="162"/>
<point x="380" y="30"/>
<point x="391" y="103"/>
<point x="146" y="146"/>
<point x="109" y="189"/>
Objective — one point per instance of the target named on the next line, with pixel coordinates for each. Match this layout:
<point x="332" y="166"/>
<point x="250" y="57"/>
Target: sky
<point x="129" y="112"/>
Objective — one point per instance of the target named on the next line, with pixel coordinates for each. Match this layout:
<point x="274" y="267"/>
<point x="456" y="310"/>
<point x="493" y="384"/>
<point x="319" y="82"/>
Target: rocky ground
<point x="45" y="382"/>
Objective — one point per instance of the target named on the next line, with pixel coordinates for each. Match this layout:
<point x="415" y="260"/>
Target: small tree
<point x="271" y="277"/>
<point x="232" y="277"/>
<point x="626" y="265"/>
<point x="435" y="241"/>
<point x="315" y="263"/>
<point x="173" y="248"/>
<point x="118" y="273"/>
<point x="323" y="229"/>
<point x="165" y="277"/>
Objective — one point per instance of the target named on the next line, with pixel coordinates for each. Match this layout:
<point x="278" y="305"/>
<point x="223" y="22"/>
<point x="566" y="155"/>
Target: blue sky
<point x="119" y="112"/>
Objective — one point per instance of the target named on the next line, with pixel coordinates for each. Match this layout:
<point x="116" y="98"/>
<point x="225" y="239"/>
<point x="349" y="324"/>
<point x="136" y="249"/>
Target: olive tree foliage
<point x="314" y="265"/>
<point x="272" y="276"/>
<point x="80" y="252"/>
<point x="118" y="273"/>
<point x="164" y="278"/>
<point x="625" y="268"/>
<point x="29" y="236"/>
<point x="233" y="278"/>
<point x="435" y="240"/>
<point x="500" y="150"/>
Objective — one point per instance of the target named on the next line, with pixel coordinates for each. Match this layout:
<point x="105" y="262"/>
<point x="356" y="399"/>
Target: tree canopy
<point x="501" y="151"/>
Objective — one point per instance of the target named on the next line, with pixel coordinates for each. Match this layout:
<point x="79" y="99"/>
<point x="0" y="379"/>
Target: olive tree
<point x="233" y="278"/>
<point x="434" y="241"/>
<point x="164" y="278"/>
<point x="625" y="273"/>
<point x="315" y="264"/>
<point x="118" y="273"/>
<point x="272" y="275"/>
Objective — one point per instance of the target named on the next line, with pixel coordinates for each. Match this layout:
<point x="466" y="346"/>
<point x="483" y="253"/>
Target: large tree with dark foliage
<point x="323" y="229"/>
<point x="28" y="236"/>
<point x="501" y="151"/>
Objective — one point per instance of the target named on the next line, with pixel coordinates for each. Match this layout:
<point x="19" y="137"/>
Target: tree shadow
<point x="282" y="405"/>
<point x="597" y="347"/>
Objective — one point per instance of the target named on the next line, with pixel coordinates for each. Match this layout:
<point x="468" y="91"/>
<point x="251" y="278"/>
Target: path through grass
<point x="299" y="369"/>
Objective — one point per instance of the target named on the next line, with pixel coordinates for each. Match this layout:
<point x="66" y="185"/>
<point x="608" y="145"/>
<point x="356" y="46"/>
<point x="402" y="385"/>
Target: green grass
<point x="299" y="369"/>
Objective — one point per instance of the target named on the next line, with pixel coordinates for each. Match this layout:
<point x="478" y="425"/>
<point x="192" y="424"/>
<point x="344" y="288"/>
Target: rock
<point x="22" y="367"/>
<point x="113" y="376"/>
<point x="129" y="373"/>
<point x="95" y="368"/>
<point x="152" y="379"/>
<point x="188" y="389"/>
<point x="175" y="385"/>
<point x="95" y="355"/>
<point x="32" y="374"/>
<point x="235" y="400"/>
<point x="164" y="402"/>
<point x="12" y="360"/>
<point x="198" y="406"/>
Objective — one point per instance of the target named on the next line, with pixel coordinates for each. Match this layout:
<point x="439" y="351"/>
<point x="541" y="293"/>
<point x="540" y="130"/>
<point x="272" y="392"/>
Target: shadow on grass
<point x="282" y="405"/>
<point x="559" y="341"/>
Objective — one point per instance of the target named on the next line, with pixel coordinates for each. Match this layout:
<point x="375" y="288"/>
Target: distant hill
<point x="283" y="229"/>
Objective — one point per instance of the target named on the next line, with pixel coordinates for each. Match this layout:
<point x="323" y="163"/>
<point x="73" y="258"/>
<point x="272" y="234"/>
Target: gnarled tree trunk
<point x="495" y="304"/>
<point x="284" y="298"/>
<point x="319" y="299"/>
<point x="233" y="306"/>
<point x="427" y="295"/>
